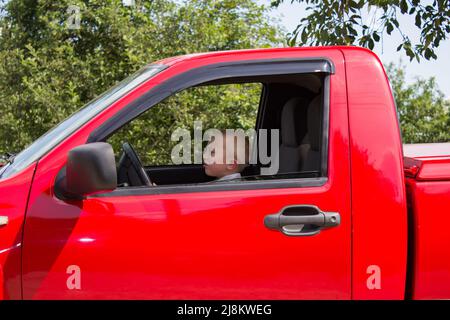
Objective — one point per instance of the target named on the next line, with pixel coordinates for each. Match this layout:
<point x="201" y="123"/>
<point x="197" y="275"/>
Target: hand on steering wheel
<point x="136" y="163"/>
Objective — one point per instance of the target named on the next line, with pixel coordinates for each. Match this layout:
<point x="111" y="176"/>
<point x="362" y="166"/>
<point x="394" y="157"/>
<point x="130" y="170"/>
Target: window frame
<point x="196" y="76"/>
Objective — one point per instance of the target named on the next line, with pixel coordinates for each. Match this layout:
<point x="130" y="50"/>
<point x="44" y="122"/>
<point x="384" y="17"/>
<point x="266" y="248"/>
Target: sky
<point x="290" y="14"/>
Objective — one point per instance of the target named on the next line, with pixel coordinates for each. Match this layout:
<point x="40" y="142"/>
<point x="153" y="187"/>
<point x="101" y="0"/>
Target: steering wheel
<point x="135" y="165"/>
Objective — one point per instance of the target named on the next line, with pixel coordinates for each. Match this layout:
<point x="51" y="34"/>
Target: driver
<point x="226" y="156"/>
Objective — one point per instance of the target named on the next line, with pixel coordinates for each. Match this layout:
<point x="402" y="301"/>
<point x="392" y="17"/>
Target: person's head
<point x="225" y="154"/>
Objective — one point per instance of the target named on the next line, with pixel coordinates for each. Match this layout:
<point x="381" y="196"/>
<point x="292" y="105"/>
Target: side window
<point x="285" y="113"/>
<point x="216" y="106"/>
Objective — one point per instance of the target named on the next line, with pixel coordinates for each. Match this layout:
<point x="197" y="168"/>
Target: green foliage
<point x="48" y="71"/>
<point x="423" y="110"/>
<point x="332" y="22"/>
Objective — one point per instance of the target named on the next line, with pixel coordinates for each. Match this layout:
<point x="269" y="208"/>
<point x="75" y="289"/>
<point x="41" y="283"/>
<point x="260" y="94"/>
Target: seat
<point x="290" y="147"/>
<point x="310" y="147"/>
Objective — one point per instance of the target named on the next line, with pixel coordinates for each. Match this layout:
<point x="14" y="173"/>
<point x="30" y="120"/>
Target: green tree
<point x="332" y="22"/>
<point x="423" y="110"/>
<point x="49" y="69"/>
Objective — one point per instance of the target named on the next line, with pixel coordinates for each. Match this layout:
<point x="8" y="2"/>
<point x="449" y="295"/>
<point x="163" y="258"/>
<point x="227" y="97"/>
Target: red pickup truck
<point x="347" y="215"/>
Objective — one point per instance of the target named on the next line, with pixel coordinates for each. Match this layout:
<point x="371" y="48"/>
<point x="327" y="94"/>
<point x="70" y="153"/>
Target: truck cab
<point x="329" y="209"/>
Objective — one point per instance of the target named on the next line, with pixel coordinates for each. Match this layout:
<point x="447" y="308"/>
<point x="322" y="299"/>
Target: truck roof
<point x="427" y="161"/>
<point x="174" y="60"/>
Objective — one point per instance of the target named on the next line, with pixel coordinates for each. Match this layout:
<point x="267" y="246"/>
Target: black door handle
<point x="301" y="220"/>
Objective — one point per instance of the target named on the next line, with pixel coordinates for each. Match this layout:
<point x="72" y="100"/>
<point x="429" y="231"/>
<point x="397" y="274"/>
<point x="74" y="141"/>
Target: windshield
<point x="53" y="137"/>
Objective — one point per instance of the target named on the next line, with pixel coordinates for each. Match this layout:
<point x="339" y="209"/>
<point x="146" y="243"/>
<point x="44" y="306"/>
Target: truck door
<point x="285" y="235"/>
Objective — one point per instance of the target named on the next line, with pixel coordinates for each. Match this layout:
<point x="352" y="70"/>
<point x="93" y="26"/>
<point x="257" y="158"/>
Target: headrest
<point x="288" y="125"/>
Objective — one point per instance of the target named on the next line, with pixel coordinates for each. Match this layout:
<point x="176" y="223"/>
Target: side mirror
<point x="91" y="168"/>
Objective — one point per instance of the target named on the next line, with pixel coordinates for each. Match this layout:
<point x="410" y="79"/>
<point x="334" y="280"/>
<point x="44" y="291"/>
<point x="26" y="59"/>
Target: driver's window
<point x="288" y="142"/>
<point x="226" y="106"/>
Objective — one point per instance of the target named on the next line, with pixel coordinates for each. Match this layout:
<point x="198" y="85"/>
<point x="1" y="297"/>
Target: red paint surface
<point x="430" y="208"/>
<point x="378" y="191"/>
<point x="13" y="200"/>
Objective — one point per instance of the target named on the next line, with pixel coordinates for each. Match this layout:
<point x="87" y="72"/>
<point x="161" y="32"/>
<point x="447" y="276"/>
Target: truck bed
<point x="427" y="176"/>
